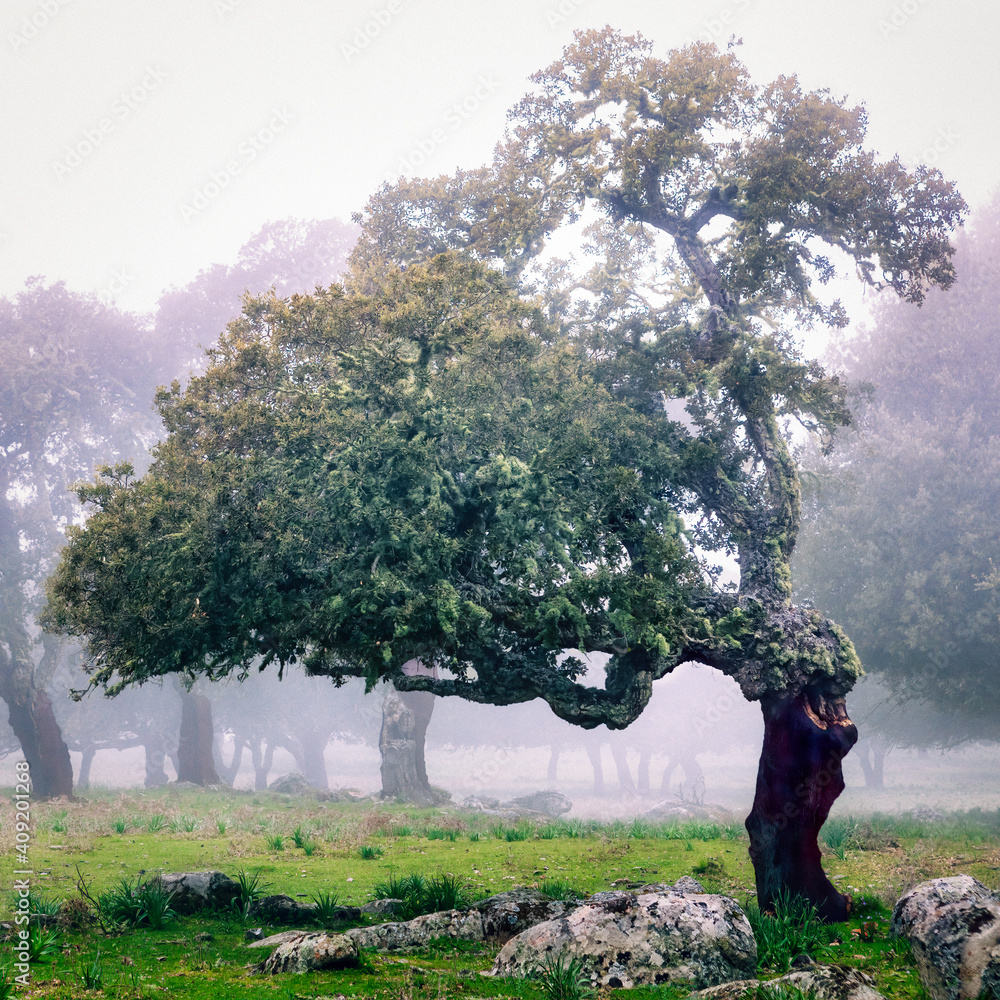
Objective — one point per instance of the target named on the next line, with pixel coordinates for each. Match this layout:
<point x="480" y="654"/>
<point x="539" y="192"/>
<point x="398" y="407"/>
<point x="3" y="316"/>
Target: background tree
<point x="901" y="540"/>
<point x="426" y="469"/>
<point x="75" y="383"/>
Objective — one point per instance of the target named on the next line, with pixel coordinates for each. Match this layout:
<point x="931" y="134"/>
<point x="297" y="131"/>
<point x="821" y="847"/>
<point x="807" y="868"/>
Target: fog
<point x="167" y="162"/>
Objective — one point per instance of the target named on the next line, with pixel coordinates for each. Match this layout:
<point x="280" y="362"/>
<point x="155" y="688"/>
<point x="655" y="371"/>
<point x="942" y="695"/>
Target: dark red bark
<point x="798" y="780"/>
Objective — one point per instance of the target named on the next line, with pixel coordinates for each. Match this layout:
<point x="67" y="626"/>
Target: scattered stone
<point x="624" y="939"/>
<point x="926" y="814"/>
<point x="681" y="812"/>
<point x="413" y="934"/>
<point x="196" y="890"/>
<point x="480" y="803"/>
<point x="292" y="783"/>
<point x="310" y="953"/>
<point x="548" y="803"/>
<point x="204" y="937"/>
<point x="281" y="909"/>
<point x="953" y="925"/>
<point x="254" y="934"/>
<point x="822" y="982"/>
<point x="273" y="940"/>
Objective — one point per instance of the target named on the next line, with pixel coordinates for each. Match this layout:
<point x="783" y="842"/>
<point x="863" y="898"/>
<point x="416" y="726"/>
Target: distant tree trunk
<point x="262" y="761"/>
<point x="798" y="780"/>
<point x="194" y="750"/>
<point x="642" y="775"/>
<point x="229" y="771"/>
<point x="404" y="724"/>
<point x="156" y="775"/>
<point x="619" y="754"/>
<point x="312" y="745"/>
<point x="35" y="726"/>
<point x="86" y="759"/>
<point x="873" y="768"/>
<point x="554" y="755"/>
<point x="692" y="789"/>
<point x="594" y="753"/>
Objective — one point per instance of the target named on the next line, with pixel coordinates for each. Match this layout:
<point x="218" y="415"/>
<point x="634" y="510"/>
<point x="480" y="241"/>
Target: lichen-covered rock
<point x="384" y="907"/>
<point x="549" y="803"/>
<point x="310" y="953"/>
<point x="822" y="982"/>
<point x="273" y="940"/>
<point x="509" y="913"/>
<point x="411" y="934"/>
<point x="953" y="926"/>
<point x="624" y="939"/>
<point x="197" y="890"/>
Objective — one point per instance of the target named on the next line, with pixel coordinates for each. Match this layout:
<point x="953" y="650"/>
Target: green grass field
<point x="304" y="848"/>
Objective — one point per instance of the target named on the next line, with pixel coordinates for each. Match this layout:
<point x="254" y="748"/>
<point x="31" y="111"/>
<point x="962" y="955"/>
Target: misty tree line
<point x="459" y="460"/>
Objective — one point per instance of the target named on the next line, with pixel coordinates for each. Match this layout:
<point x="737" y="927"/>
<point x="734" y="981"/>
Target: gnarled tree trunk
<point x="36" y="728"/>
<point x="805" y="739"/>
<point x="405" y="716"/>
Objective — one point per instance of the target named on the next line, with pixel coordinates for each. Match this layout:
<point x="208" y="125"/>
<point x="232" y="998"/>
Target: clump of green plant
<point x="565" y="980"/>
<point x="155" y="823"/>
<point x="6" y="984"/>
<point x="42" y="906"/>
<point x="710" y="870"/>
<point x="119" y="825"/>
<point x="837" y="835"/>
<point x="137" y="904"/>
<point x="275" y="841"/>
<point x="556" y="888"/>
<point x="299" y="836"/>
<point x="794" y="929"/>
<point x="252" y="887"/>
<point x="370" y="852"/>
<point x="92" y="974"/>
<point x="327" y="904"/>
<point x="438" y="833"/>
<point x="43" y="944"/>
<point x="420" y="895"/>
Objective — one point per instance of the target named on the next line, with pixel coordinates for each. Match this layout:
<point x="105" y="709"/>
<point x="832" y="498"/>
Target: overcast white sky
<point x="117" y="114"/>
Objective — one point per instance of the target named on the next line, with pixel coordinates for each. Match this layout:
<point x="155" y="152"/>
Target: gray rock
<point x="292" y="783"/>
<point x="625" y="939"/>
<point x="281" y="909"/>
<point x="509" y="913"/>
<point x="273" y="940"/>
<point x="823" y="982"/>
<point x="196" y="890"/>
<point x="664" y="812"/>
<point x="411" y="934"/>
<point x="953" y="926"/>
<point x="548" y="803"/>
<point x="310" y="953"/>
<point x="384" y="907"/>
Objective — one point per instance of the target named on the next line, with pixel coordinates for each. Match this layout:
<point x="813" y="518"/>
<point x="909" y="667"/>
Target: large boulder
<point x="820" y="982"/>
<point x="198" y="890"/>
<point x="292" y="783"/>
<point x="310" y="953"/>
<point x="626" y="939"/>
<point x="953" y="926"/>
